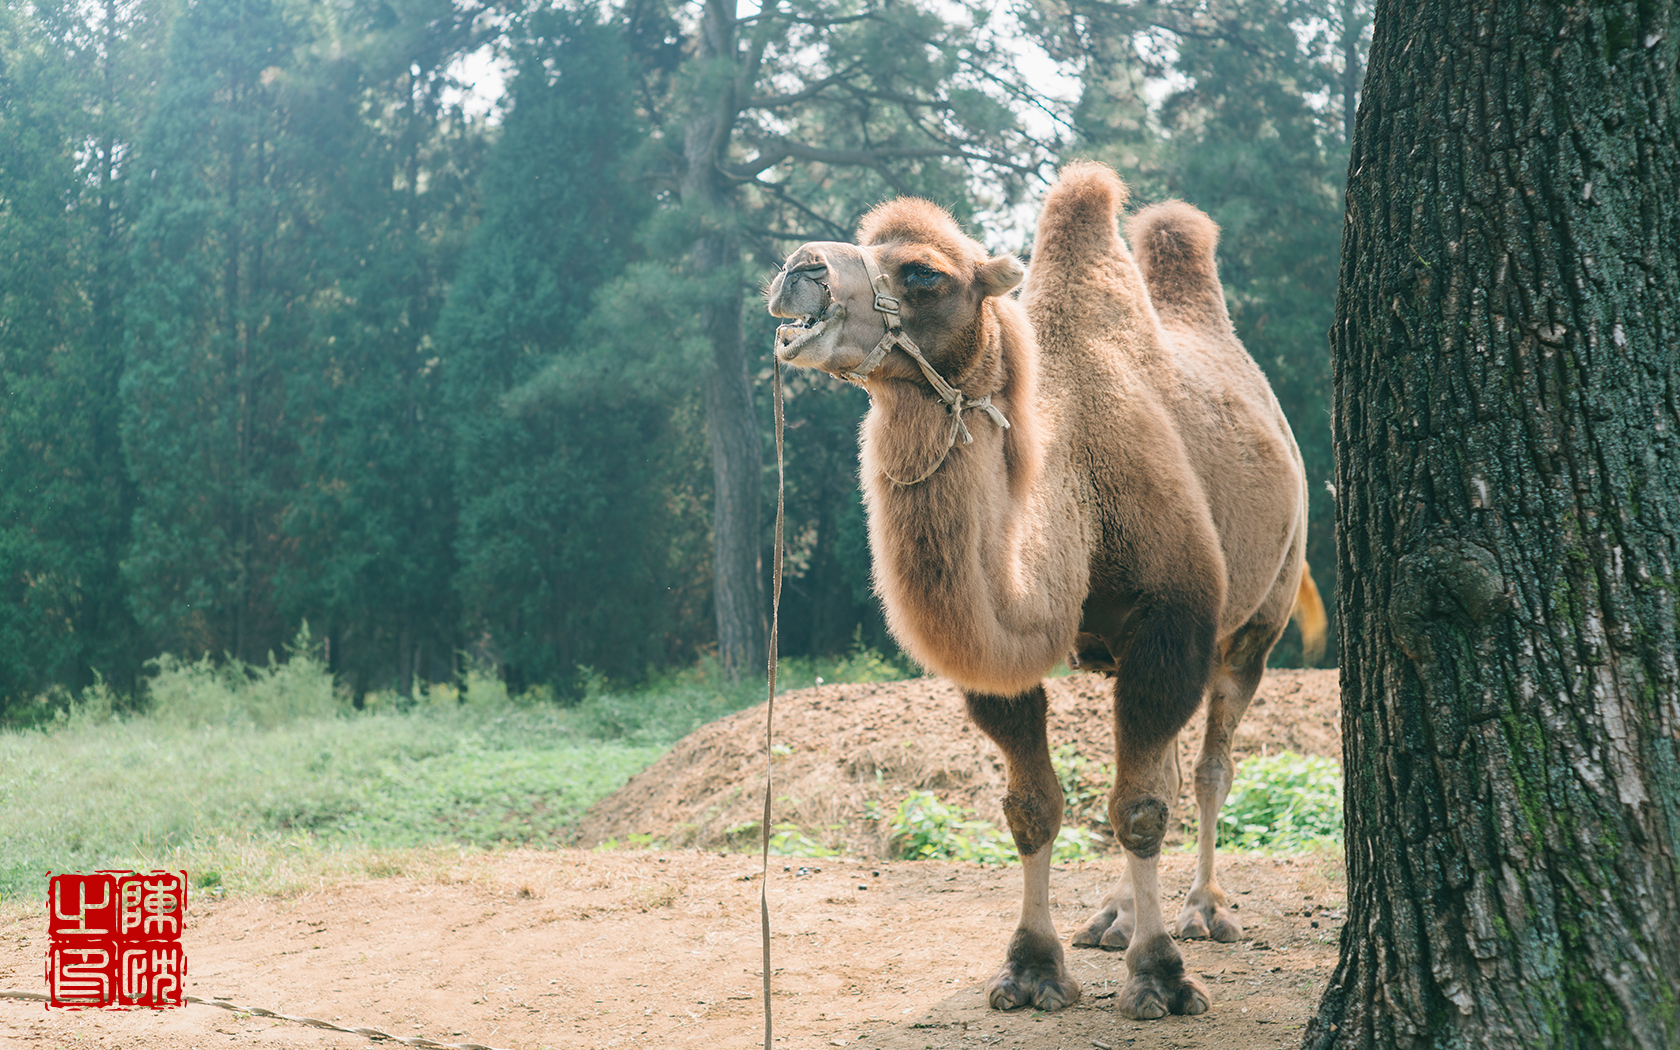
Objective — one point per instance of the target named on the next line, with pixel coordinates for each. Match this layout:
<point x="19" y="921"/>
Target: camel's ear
<point x="999" y="275"/>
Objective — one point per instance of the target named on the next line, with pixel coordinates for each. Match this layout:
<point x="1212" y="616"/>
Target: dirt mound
<point x="846" y="755"/>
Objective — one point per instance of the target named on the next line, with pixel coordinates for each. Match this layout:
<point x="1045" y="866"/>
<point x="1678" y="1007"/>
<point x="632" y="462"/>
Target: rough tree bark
<point x="731" y="426"/>
<point x="1507" y="430"/>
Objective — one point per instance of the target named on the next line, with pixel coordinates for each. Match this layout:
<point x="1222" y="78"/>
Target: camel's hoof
<point x="1106" y="930"/>
<point x="1042" y="990"/>
<point x="1159" y="985"/>
<point x="1032" y="975"/>
<point x="1205" y="916"/>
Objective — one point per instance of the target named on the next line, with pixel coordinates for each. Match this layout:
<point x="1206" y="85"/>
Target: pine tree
<point x="372" y="520"/>
<point x="571" y="466"/>
<point x="74" y="88"/>
<point x="222" y="250"/>
<point x="284" y="418"/>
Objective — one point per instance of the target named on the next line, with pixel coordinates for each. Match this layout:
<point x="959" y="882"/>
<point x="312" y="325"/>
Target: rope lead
<point x="770" y="711"/>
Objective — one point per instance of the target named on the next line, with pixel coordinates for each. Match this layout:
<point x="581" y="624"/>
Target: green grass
<point x="925" y="828"/>
<point x="143" y="792"/>
<point x="263" y="779"/>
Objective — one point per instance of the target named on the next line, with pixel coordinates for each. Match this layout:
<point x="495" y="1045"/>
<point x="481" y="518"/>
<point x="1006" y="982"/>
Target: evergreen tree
<point x="223" y="257"/>
<point x="372" y="520"/>
<point x="74" y="87"/>
<point x="283" y="416"/>
<point x="571" y="466"/>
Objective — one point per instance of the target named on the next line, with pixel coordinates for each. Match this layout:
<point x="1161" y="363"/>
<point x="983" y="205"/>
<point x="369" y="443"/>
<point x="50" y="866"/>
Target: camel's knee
<point x="1140" y="823"/>
<point x="1034" y="818"/>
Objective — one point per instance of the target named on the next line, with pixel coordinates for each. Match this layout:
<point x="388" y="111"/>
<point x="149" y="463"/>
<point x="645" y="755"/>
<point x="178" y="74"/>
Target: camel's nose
<point x="805" y="257"/>
<point x="795" y="291"/>
<point x="807" y="263"/>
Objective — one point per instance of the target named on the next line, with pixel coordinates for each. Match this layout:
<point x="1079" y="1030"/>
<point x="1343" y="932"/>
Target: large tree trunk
<point x="737" y="460"/>
<point x="1507" y="429"/>
<point x="732" y="426"/>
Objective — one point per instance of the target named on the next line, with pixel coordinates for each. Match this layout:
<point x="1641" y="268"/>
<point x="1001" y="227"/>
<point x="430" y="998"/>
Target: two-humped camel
<point x="1099" y="472"/>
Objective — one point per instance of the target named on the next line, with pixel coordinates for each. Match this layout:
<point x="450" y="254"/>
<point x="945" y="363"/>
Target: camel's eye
<point x="919" y="277"/>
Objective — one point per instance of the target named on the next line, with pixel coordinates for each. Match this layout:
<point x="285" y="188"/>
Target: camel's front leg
<point x="1034" y="972"/>
<point x="1111" y="927"/>
<point x="1157" y="690"/>
<point x="1159" y="984"/>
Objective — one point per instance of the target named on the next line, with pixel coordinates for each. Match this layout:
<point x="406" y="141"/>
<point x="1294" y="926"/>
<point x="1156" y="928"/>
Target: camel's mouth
<point x="808" y="339"/>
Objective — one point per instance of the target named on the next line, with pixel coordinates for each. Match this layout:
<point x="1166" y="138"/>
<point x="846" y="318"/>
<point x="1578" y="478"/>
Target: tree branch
<point x="796" y="97"/>
<point x="774" y="151"/>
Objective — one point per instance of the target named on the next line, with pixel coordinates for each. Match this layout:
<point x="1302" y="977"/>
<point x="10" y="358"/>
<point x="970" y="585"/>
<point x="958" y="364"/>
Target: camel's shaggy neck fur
<point x="964" y="560"/>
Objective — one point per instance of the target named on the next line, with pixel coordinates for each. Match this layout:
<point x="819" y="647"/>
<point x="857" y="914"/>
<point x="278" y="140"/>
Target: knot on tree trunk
<point x="1447" y="585"/>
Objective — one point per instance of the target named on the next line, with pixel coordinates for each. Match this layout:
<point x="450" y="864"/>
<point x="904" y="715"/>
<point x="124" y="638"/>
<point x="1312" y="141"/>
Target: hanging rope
<point x="770" y="713"/>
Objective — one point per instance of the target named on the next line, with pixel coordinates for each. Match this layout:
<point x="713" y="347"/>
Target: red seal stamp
<point x="114" y="939"/>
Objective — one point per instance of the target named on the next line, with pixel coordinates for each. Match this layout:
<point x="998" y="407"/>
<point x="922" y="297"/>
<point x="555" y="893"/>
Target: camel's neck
<point x="981" y="565"/>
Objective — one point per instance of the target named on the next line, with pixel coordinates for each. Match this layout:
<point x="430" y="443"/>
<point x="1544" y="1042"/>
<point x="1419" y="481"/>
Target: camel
<point x="1094" y="472"/>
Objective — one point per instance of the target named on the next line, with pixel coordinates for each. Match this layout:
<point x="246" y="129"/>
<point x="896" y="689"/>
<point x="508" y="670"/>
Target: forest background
<point x="297" y="328"/>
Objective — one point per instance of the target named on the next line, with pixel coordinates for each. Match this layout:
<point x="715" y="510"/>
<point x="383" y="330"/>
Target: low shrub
<point x="1283" y="803"/>
<point x="925" y="828"/>
<point x="234" y="692"/>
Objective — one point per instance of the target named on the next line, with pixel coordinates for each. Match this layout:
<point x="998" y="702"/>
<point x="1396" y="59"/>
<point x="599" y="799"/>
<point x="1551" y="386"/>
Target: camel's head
<point x="909" y="251"/>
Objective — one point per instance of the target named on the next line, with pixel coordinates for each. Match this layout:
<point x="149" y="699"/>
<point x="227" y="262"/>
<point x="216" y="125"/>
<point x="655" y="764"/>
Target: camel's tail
<point x="1309" y="616"/>
<point x="1174" y="244"/>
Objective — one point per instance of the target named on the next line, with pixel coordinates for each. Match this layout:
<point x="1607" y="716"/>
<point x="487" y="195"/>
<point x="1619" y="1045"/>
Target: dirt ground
<point x="590" y="948"/>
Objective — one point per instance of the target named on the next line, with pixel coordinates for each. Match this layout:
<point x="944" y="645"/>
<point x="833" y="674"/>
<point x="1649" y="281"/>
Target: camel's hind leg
<point x="1034" y="972"/>
<point x="1207" y="911"/>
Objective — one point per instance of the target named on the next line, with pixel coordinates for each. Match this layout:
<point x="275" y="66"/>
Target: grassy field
<point x="264" y="780"/>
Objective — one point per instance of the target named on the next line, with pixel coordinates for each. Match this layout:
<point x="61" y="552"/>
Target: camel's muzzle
<point x="813" y="334"/>
<point x="811" y="341"/>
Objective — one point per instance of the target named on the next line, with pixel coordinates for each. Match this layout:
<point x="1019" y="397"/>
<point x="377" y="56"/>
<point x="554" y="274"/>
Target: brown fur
<point x="1175" y="245"/>
<point x="1145" y="511"/>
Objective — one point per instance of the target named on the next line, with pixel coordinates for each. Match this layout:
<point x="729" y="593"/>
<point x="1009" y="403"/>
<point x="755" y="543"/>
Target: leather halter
<point x="895" y="336"/>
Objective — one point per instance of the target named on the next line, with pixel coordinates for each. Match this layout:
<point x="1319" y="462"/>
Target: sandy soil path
<point x="638" y="948"/>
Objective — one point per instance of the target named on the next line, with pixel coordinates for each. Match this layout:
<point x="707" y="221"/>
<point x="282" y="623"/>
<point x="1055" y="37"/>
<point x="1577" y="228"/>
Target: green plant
<point x="236" y="693"/>
<point x="1084" y="786"/>
<point x="664" y="710"/>
<point x="1283" y="802"/>
<point x="249" y="801"/>
<point x="1073" y="843"/>
<point x="925" y="828"/>
<point x="790" y="840"/>
<point x="859" y="664"/>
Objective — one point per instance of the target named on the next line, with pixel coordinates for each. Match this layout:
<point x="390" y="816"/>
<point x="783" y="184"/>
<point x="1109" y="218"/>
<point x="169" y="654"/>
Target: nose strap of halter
<point x="895" y="336"/>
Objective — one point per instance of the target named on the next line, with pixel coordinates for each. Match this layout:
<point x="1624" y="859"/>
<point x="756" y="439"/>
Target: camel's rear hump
<point x="1174" y="245"/>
